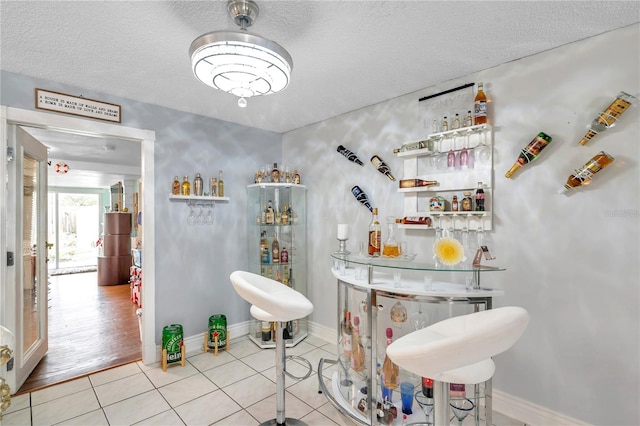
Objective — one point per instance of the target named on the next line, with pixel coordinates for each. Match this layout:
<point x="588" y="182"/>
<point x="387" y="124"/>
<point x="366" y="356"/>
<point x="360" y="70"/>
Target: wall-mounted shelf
<point x="430" y="163"/>
<point x="189" y="199"/>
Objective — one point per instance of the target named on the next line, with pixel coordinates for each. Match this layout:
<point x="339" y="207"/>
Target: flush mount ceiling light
<point x="240" y="63"/>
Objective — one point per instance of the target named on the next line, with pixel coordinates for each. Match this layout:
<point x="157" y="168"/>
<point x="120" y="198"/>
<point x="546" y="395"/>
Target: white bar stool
<point x="458" y="350"/>
<point x="274" y="302"/>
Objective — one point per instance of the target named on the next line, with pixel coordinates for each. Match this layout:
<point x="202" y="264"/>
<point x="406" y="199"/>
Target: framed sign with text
<point x="74" y="105"/>
<point x="434" y="108"/>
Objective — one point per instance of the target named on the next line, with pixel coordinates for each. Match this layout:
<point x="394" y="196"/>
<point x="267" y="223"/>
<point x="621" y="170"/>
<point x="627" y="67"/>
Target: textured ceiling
<point x="347" y="54"/>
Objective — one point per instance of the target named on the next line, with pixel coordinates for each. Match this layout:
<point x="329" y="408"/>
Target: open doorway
<point x="143" y="139"/>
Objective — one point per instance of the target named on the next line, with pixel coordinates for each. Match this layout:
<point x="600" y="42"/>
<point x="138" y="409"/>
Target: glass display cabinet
<point x="277" y="249"/>
<point x="380" y="300"/>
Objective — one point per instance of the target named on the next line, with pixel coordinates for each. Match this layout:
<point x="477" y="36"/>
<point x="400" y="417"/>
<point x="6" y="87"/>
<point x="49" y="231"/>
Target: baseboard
<point x="325" y="333"/>
<point x="528" y="412"/>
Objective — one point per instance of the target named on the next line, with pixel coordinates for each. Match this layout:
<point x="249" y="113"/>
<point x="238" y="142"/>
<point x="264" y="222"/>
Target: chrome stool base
<point x="287" y="422"/>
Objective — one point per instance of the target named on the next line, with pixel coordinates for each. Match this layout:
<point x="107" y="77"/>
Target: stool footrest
<point x="306" y="361"/>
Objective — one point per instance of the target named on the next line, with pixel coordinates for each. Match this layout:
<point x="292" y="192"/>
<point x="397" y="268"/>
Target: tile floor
<point x="235" y="388"/>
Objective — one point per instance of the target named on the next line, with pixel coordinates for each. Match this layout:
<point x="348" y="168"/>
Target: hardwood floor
<point x="91" y="328"/>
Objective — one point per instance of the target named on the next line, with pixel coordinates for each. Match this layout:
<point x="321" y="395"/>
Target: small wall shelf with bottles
<point x="460" y="161"/>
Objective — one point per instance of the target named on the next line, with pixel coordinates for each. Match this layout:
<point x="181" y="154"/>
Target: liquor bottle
<point x="457" y="391"/>
<point x="270" y="273"/>
<point x="275" y="174"/>
<point x="284" y="216"/>
<point x="220" y="185"/>
<point x="454" y="204"/>
<point x="415" y="183"/>
<point x="390" y="248"/>
<point x="275" y="249"/>
<point x="197" y="185"/>
<point x="382" y="166"/>
<point x="292" y="281"/>
<point x="530" y="152"/>
<point x="456" y="122"/>
<point x="415" y="220"/>
<point x="480" y="106"/>
<point x="357" y="349"/>
<point x="347" y="336"/>
<point x="175" y="187"/>
<point x="479" y="198"/>
<point x="278" y="276"/>
<point x="410" y="146"/>
<point x="467" y="202"/>
<point x="284" y="255"/>
<point x="427" y="387"/>
<point x="285" y="277"/>
<point x="186" y="186"/>
<point x="213" y="187"/>
<point x="292" y="218"/>
<point x="270" y="215"/>
<point x="445" y="124"/>
<point x="390" y="370"/>
<point x="608" y="118"/>
<point x="374" y="234"/>
<point x="266" y="331"/>
<point x="361" y="197"/>
<point x="349" y="155"/>
<point x="468" y="121"/>
<point x="584" y="174"/>
<point x="264" y="248"/>
<point x="296" y="177"/>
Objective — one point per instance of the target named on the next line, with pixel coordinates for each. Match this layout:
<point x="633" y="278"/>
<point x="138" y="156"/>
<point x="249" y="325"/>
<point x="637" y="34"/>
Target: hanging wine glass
<point x="438" y="231"/>
<point x="480" y="232"/>
<point x="191" y="219"/>
<point x="418" y="319"/>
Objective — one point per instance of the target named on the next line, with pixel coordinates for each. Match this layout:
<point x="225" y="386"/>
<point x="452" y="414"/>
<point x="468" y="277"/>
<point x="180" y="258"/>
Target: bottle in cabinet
<point x="275" y="174"/>
<point x="390" y="371"/>
<point x="264" y="248"/>
<point x="480" y="106"/>
<point x="357" y="349"/>
<point x="175" y="187"/>
<point x="284" y="255"/>
<point x="275" y="249"/>
<point x="375" y="234"/>
<point x="270" y="214"/>
<point x="347" y="336"/>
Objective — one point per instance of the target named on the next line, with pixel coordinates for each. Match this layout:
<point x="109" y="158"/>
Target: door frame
<point x="17" y="116"/>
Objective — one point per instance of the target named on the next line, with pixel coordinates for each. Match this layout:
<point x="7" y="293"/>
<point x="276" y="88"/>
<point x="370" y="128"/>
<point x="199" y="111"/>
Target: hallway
<point x="91" y="328"/>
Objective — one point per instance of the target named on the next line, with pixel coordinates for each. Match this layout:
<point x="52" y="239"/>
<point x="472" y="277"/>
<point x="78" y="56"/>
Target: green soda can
<point x="217" y="324"/>
<point x="172" y="338"/>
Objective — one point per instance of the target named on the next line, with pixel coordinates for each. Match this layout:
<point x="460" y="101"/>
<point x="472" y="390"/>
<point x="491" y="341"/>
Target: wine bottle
<point x="410" y="146"/>
<point x="608" y="118"/>
<point x="357" y="349"/>
<point x="382" y="166"/>
<point x="584" y="174"/>
<point x="415" y="220"/>
<point x="347" y="336"/>
<point x="480" y="106"/>
<point x="530" y="152"/>
<point x="349" y="155"/>
<point x="390" y="370"/>
<point x="361" y="197"/>
<point x="275" y="249"/>
<point x="414" y="183"/>
<point x="374" y="234"/>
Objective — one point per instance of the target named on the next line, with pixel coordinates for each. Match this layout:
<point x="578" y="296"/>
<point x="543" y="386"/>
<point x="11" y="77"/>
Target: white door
<point x="26" y="239"/>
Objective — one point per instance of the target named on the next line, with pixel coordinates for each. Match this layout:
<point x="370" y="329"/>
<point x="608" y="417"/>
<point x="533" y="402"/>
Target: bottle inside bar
<point x="530" y="152"/>
<point x="608" y="117"/>
<point x="583" y="175"/>
<point x="374" y="234"/>
<point x="480" y="106"/>
<point x="390" y="370"/>
<point x="358" y="354"/>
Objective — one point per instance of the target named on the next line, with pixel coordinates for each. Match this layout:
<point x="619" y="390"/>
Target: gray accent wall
<point x="572" y="261"/>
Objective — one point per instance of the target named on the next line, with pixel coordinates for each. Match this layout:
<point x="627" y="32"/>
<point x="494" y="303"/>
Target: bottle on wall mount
<point x="382" y="167"/>
<point x="456" y="122"/>
<point x="349" y="155"/>
<point x="175" y="187"/>
<point x="186" y="186"/>
<point x="530" y="152"/>
<point x="374" y="234"/>
<point x="445" y="124"/>
<point x="361" y="197"/>
<point x="584" y="174"/>
<point x="479" y="198"/>
<point x="220" y="185"/>
<point x="480" y="106"/>
<point x="468" y="121"/>
<point x="608" y="117"/>
<point x="416" y="183"/>
<point x="197" y="185"/>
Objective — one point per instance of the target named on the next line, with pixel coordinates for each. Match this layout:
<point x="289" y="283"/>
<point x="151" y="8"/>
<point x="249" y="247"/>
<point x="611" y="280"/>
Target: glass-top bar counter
<point x="378" y="296"/>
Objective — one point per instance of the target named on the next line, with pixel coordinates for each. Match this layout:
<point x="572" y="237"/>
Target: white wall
<point x="572" y="261"/>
